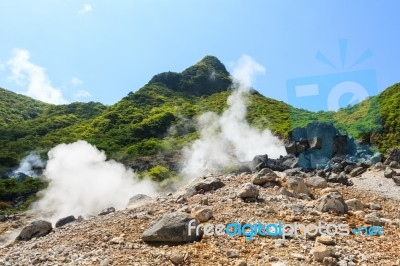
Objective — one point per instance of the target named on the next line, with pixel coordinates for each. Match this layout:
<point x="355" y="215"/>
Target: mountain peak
<point x="206" y="77"/>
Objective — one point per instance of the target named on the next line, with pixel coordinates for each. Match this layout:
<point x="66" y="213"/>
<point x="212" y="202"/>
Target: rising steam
<point x="228" y="138"/>
<point x="83" y="182"/>
<point x="29" y="165"/>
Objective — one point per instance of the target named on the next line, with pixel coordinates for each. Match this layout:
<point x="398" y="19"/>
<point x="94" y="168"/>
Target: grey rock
<point x="396" y="180"/>
<point x="296" y="184"/>
<point x="357" y="171"/>
<point x="394" y="164"/>
<point x="107" y="211"/>
<point x="248" y="191"/>
<point x="65" y="220"/>
<point x="316" y="181"/>
<point x="263" y="176"/>
<point x="172" y="228"/>
<point x="208" y="184"/>
<point x="291" y="147"/>
<point x="232" y="253"/>
<point x="332" y="201"/>
<point x="355" y="204"/>
<point x="373" y="219"/>
<point x="389" y="172"/>
<point x="283" y="191"/>
<point x="35" y="229"/>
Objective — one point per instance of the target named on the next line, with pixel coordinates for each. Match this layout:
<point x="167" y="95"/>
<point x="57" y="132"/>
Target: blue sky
<point x="63" y="51"/>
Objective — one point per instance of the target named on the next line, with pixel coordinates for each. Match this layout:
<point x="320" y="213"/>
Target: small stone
<point x="359" y="214"/>
<point x="394" y="164"/>
<point x="204" y="201"/>
<point x="296" y="184"/>
<point x="355" y="204"/>
<point x="107" y="211"/>
<point x="283" y="191"/>
<point x="320" y="252"/>
<point x="297" y="256"/>
<point x="357" y="171"/>
<point x="329" y="261"/>
<point x="177" y="257"/>
<point x="117" y="240"/>
<point x="375" y="206"/>
<point x="105" y="262"/>
<point x="241" y="263"/>
<point x="316" y="181"/>
<point x="325" y="239"/>
<point x="263" y="176"/>
<point x="248" y="191"/>
<point x="232" y="253"/>
<point x="203" y="214"/>
<point x="373" y="219"/>
<point x="389" y="172"/>
<point x="331" y="202"/>
<point x="396" y="180"/>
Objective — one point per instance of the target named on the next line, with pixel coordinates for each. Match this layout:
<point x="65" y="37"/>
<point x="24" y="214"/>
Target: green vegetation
<point x="19" y="193"/>
<point x="159" y="118"/>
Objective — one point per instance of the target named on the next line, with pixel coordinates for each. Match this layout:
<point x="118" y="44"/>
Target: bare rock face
<point x="263" y="176"/>
<point x="35" y="229"/>
<point x="172" y="228"/>
<point x="331" y="202"/>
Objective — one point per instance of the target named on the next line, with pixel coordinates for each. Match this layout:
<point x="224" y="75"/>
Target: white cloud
<point x="76" y="81"/>
<point x="34" y="78"/>
<point x="82" y="94"/>
<point x="86" y="8"/>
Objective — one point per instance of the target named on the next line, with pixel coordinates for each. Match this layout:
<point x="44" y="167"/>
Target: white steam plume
<point x="228" y="138"/>
<point x="83" y="182"/>
<point x="28" y="165"/>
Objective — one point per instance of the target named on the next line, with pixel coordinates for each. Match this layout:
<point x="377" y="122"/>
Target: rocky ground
<point x="117" y="238"/>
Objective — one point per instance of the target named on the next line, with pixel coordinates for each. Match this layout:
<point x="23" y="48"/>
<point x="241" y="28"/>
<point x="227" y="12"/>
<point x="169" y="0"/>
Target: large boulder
<point x="332" y="201"/>
<point x="35" y="229"/>
<point x="65" y="220"/>
<point x="172" y="228"/>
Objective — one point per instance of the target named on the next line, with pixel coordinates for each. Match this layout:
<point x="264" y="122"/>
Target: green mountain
<point x="149" y="127"/>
